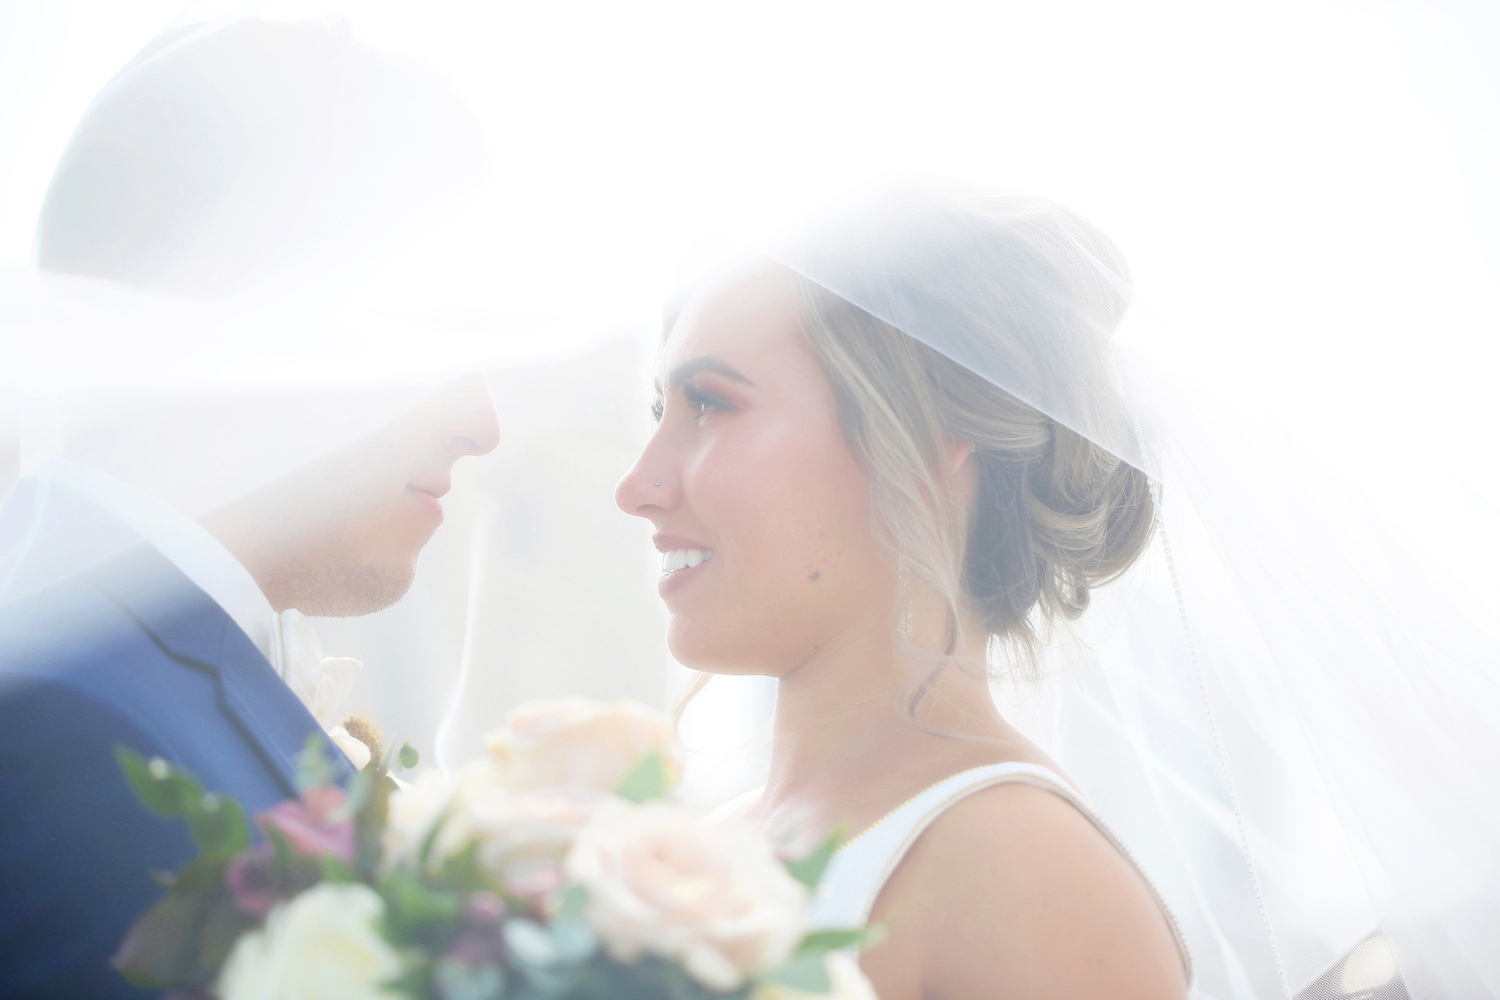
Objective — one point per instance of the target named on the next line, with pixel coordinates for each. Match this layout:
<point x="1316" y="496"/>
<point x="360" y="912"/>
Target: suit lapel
<point x="195" y="631"/>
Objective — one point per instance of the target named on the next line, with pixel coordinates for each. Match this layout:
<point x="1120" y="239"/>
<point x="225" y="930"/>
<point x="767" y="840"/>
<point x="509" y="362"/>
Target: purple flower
<point x="483" y="909"/>
<point x="308" y="824"/>
<point x="249" y="880"/>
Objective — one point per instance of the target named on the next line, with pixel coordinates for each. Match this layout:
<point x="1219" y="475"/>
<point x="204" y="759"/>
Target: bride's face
<point x="749" y="468"/>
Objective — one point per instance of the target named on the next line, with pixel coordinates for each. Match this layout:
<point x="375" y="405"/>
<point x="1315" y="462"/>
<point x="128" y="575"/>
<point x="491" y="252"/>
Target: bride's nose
<point x="651" y="487"/>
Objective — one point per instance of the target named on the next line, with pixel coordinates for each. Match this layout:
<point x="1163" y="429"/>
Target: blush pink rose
<point x="711" y="897"/>
<point x="310" y="824"/>
<point x="579" y="745"/>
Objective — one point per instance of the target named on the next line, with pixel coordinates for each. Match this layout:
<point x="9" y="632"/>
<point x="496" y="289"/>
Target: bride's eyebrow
<point x="703" y="363"/>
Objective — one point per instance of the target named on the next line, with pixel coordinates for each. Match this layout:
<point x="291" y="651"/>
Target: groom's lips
<point x="428" y="500"/>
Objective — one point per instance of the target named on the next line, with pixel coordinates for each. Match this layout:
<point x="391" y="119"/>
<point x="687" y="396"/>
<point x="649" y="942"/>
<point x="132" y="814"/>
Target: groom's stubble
<point x="337" y="589"/>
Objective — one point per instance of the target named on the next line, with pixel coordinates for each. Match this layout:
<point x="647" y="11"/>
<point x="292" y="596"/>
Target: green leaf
<point x="181" y="942"/>
<point x="456" y="979"/>
<point x="806" y="972"/>
<point x="219" y="826"/>
<point x="337" y="870"/>
<point x="574" y="902"/>
<point x="821" y="941"/>
<point x="408" y="756"/>
<point x="530" y="943"/>
<point x="646" y="781"/>
<point x="388" y="759"/>
<point x="165" y="790"/>
<point x="158" y="951"/>
<point x="574" y="939"/>
<point x="313" y="769"/>
<point x="809" y="870"/>
<point x="411" y="904"/>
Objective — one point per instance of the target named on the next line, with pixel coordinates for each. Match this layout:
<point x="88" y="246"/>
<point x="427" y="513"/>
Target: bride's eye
<point x="702" y="401"/>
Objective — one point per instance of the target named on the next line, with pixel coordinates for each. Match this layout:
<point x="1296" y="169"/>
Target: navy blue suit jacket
<point x="129" y="652"/>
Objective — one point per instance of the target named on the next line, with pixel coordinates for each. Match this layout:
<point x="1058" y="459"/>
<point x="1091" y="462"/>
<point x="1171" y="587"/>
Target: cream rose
<point x="433" y="798"/>
<point x="519" y="833"/>
<point x="665" y="881"/>
<point x="579" y="744"/>
<point x="846" y="979"/>
<point x="320" y="945"/>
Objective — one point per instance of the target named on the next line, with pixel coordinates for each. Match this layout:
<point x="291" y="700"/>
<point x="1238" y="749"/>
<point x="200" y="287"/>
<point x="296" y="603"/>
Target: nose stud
<point x="658" y="482"/>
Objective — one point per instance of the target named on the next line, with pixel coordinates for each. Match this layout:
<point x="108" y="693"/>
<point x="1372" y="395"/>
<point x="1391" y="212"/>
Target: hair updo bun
<point x="1053" y="514"/>
<point x="1048" y="524"/>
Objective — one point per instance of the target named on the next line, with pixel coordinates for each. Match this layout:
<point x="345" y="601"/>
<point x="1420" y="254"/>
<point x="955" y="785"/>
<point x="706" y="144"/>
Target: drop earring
<point x="903" y="600"/>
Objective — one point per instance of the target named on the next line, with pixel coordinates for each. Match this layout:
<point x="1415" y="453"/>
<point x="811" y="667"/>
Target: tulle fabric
<point x="1279" y="708"/>
<point x="1282" y="709"/>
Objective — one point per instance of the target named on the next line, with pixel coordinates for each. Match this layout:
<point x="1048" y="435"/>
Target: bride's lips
<point x="683" y="561"/>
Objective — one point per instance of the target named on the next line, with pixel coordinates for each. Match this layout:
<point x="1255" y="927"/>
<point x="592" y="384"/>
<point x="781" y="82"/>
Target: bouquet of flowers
<point x="556" y="868"/>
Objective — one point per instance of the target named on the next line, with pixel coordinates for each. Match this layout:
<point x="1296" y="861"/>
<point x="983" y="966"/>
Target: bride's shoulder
<point x="1021" y="893"/>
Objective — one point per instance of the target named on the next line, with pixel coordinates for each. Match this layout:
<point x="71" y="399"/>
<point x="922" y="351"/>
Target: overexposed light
<point x="1368" y="967"/>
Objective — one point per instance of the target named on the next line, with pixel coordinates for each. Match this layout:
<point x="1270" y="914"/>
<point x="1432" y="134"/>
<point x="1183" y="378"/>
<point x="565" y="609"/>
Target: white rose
<point x="710" y="897"/>
<point x="517" y="832"/>
<point x="320" y="945"/>
<point x="522" y="832"/>
<point x="847" y="983"/>
<point x="416" y="809"/>
<point x="579" y="744"/>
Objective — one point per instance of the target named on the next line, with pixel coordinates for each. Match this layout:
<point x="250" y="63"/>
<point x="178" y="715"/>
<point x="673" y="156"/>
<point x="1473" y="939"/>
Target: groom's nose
<point x="465" y="417"/>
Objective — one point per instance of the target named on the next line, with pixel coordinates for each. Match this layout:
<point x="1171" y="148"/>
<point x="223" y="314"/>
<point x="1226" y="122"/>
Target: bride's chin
<point x="708" y="652"/>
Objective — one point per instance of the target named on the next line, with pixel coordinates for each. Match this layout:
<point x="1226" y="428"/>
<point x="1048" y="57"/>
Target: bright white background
<point x="1306" y="190"/>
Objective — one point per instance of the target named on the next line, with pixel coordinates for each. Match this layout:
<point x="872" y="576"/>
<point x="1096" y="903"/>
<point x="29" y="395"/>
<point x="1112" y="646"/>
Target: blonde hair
<point x="1053" y="514"/>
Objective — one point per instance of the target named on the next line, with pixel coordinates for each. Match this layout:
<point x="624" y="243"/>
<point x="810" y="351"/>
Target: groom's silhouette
<point x="163" y="646"/>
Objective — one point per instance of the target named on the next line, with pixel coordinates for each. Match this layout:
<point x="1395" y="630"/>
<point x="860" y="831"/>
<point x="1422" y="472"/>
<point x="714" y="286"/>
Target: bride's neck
<point x="862" y="697"/>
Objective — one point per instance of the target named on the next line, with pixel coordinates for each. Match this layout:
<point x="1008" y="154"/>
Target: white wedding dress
<point x="861" y="867"/>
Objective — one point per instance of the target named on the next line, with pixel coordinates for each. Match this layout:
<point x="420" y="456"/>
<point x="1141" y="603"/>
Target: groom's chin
<point x="345" y="590"/>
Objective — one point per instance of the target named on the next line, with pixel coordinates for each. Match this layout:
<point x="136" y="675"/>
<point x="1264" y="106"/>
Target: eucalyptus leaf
<point x="574" y="940"/>
<point x="821" y="941"/>
<point x="358" y="792"/>
<point x="313" y="769"/>
<point x="807" y="972"/>
<point x="455" y="979"/>
<point x="810" y="869"/>
<point x="646" y="781"/>
<point x="574" y="903"/>
<point x="531" y="944"/>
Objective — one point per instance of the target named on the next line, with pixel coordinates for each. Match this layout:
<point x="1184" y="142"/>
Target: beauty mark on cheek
<point x="814" y="575"/>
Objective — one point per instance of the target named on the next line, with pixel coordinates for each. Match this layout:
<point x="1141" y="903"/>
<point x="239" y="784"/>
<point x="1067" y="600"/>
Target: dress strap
<point x="859" y="870"/>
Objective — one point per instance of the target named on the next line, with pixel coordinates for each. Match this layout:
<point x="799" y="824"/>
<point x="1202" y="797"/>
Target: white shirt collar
<point x="200" y="556"/>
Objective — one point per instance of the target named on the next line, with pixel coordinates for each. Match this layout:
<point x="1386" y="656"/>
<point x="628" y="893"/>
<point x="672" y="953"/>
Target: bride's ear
<point x="959" y="453"/>
<point x="962" y="468"/>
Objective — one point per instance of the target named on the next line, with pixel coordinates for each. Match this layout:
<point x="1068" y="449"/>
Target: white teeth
<point x="676" y="559"/>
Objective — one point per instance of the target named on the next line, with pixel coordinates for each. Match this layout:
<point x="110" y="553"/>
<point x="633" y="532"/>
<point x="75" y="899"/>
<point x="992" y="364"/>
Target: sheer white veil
<point x="1279" y="708"/>
<point x="200" y="323"/>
